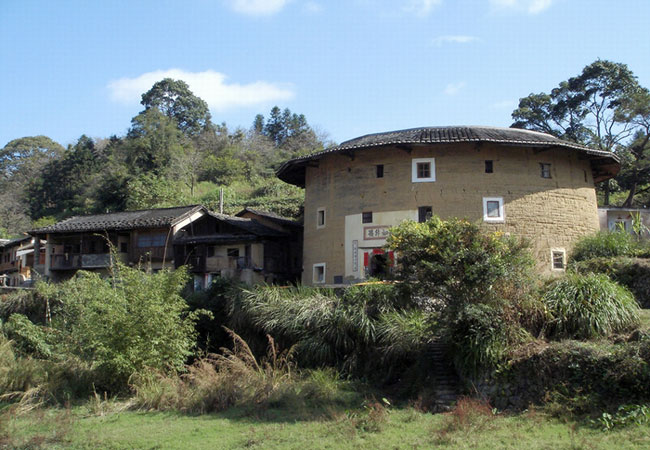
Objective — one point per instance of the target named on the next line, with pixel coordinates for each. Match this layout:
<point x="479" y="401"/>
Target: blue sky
<point x="352" y="67"/>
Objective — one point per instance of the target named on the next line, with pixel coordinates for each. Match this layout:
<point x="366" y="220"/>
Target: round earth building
<point x="521" y="182"/>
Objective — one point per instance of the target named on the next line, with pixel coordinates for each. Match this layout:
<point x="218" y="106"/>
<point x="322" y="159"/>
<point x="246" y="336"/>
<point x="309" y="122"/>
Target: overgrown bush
<point x="633" y="273"/>
<point x="588" y="306"/>
<point x="123" y="324"/>
<point x="605" y="244"/>
<point x="578" y="377"/>
<point x="29" y="339"/>
<point x="482" y="281"/>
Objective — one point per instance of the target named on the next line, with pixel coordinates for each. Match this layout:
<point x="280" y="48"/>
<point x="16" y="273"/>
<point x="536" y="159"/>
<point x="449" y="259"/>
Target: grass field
<point x="370" y="427"/>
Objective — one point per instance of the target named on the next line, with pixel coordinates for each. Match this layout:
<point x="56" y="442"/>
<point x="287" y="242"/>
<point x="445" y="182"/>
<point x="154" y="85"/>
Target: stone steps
<point x="443" y="378"/>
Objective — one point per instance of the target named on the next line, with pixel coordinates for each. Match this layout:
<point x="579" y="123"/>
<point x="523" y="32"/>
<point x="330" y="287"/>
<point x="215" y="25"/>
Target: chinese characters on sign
<point x="379" y="232"/>
<point x="355" y="255"/>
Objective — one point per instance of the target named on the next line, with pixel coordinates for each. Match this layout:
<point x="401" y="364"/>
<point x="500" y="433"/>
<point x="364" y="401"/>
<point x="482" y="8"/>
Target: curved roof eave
<point x="293" y="171"/>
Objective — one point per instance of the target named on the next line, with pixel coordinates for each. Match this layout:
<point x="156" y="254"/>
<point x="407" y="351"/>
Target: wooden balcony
<point x="152" y="253"/>
<point x="70" y="261"/>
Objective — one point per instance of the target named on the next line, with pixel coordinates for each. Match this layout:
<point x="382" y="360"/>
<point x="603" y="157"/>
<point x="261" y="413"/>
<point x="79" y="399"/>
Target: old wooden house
<point x="17" y="261"/>
<point x="209" y="244"/>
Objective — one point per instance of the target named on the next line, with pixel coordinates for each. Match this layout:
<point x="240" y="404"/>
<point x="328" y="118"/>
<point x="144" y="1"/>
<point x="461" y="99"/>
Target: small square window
<point x="232" y="252"/>
<point x="366" y="217"/>
<point x="380" y="171"/>
<point x="320" y="218"/>
<point x="423" y="170"/>
<point x="489" y="166"/>
<point x="558" y="256"/>
<point x="493" y="209"/>
<point x="424" y="213"/>
<point x="545" y="170"/>
<point x="319" y="273"/>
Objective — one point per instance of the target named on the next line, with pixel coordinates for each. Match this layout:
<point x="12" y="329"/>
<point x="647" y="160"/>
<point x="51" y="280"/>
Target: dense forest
<point x="173" y="154"/>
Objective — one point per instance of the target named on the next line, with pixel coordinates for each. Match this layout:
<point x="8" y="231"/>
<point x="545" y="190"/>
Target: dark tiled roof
<point x="15" y="241"/>
<point x="293" y="171"/>
<point x="249" y="225"/>
<point x="127" y="220"/>
<point x="271" y="216"/>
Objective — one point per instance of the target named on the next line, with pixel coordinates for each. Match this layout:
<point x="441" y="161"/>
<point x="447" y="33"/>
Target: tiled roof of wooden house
<point x="271" y="216"/>
<point x="126" y="220"/>
<point x="605" y="164"/>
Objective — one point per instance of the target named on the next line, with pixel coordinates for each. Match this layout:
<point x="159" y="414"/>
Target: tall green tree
<point x="25" y="156"/>
<point x="63" y="185"/>
<point x="174" y="99"/>
<point x="601" y="107"/>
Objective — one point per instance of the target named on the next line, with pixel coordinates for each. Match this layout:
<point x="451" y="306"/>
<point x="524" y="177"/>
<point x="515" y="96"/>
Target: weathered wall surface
<point x="551" y="213"/>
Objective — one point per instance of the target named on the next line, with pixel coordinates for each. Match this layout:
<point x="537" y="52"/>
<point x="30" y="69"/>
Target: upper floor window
<point x="320" y="218"/>
<point x="545" y="170"/>
<point x="151" y="240"/>
<point x="423" y="170"/>
<point x="380" y="170"/>
<point x="489" y="166"/>
<point x="366" y="217"/>
<point x="493" y="209"/>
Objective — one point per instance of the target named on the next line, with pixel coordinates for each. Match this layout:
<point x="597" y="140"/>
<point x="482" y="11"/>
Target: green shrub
<point x="482" y="283"/>
<point x="588" y="306"/>
<point x="29" y="339"/>
<point x="605" y="244"/>
<point x="123" y="324"/>
<point x="455" y="261"/>
<point x="633" y="273"/>
<point x="579" y="377"/>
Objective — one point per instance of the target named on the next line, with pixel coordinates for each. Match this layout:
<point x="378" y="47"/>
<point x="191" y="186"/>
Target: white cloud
<point x="209" y="85"/>
<point x="421" y="8"/>
<point x="529" y="6"/>
<point x="454" y="88"/>
<point x="257" y="7"/>
<point x="453" y="39"/>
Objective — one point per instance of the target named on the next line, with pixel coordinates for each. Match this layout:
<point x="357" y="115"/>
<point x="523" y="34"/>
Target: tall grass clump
<point x="588" y="306"/>
<point x="237" y="378"/>
<point x="605" y="244"/>
<point x="351" y="330"/>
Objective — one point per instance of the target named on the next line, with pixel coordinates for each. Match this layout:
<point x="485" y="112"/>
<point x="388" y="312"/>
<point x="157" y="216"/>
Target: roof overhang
<point x="604" y="164"/>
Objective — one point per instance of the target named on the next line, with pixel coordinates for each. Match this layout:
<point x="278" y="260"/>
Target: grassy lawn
<point x="80" y="427"/>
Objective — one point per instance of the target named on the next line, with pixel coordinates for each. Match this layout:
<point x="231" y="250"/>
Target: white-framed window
<point x="558" y="259"/>
<point x="493" y="210"/>
<point x="320" y="218"/>
<point x="423" y="170"/>
<point x="319" y="273"/>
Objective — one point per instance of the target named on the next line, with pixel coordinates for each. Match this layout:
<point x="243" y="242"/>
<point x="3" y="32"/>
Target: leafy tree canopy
<point x="28" y="155"/>
<point x="603" y="107"/>
<point x="175" y="100"/>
